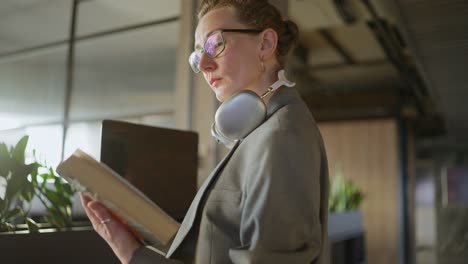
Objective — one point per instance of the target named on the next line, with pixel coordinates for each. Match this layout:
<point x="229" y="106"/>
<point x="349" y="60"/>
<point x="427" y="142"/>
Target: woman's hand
<point x="115" y="233"/>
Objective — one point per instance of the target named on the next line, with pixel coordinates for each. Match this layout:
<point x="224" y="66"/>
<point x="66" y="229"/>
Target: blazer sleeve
<point x="280" y="220"/>
<point x="144" y="255"/>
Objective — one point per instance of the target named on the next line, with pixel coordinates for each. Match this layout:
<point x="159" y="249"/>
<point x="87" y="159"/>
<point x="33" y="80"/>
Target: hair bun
<point x="291" y="29"/>
<point x="289" y="37"/>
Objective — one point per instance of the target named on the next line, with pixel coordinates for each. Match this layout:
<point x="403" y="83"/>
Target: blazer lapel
<point x="192" y="212"/>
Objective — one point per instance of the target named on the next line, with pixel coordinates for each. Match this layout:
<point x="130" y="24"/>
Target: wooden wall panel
<point x="367" y="152"/>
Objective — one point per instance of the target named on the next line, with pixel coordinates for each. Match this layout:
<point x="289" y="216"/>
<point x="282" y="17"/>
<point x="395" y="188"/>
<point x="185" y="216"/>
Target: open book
<point x="146" y="219"/>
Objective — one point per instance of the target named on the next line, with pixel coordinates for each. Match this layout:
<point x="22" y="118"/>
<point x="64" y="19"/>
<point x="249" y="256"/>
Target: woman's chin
<point x="220" y="95"/>
<point x="223" y="94"/>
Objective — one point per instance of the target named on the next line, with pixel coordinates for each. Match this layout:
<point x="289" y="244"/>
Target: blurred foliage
<point x="344" y="195"/>
<point x="20" y="183"/>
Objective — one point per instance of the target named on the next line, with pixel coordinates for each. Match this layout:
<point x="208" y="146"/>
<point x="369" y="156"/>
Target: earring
<point x="262" y="64"/>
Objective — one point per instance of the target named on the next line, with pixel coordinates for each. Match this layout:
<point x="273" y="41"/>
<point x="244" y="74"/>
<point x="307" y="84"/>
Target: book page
<point x="120" y="196"/>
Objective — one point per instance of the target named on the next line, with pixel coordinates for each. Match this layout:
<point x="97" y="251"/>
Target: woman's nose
<point x="206" y="64"/>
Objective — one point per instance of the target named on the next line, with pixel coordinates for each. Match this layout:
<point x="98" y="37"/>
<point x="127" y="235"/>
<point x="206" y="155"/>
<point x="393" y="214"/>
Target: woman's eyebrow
<point x="198" y="46"/>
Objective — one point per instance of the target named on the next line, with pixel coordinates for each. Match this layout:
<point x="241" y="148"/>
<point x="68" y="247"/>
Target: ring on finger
<point x="105" y="221"/>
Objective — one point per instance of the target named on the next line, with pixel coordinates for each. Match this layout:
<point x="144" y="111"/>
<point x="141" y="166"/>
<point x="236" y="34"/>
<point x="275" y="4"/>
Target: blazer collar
<point x="280" y="98"/>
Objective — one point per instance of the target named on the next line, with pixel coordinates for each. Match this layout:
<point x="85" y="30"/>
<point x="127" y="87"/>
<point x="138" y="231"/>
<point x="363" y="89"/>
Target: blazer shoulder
<point x="292" y="119"/>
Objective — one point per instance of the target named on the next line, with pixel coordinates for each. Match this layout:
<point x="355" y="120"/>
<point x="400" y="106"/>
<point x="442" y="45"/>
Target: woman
<point x="266" y="202"/>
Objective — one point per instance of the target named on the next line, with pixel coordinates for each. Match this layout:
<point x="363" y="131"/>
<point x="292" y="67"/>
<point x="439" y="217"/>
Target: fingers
<point x="96" y="212"/>
<point x="115" y="233"/>
<point x="85" y="200"/>
<point x="99" y="210"/>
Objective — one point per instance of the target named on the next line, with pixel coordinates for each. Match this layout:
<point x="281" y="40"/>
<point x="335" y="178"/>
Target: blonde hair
<point x="260" y="14"/>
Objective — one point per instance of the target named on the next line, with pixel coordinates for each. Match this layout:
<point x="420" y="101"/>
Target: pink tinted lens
<point x="214" y="44"/>
<point x="195" y="61"/>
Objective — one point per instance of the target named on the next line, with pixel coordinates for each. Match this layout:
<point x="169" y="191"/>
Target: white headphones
<point x="242" y="113"/>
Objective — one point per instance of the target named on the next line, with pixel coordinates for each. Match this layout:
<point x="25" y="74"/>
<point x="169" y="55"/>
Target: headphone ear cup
<point x="238" y="116"/>
<point x="220" y="138"/>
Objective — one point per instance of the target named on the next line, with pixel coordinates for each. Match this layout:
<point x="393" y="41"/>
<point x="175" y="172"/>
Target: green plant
<point x="21" y="182"/>
<point x="344" y="195"/>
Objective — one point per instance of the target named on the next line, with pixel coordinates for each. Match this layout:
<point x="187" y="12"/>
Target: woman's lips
<point x="214" y="82"/>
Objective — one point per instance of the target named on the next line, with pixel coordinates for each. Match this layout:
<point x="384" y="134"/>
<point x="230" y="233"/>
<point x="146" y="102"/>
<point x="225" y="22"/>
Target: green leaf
<point x="4" y="153"/>
<point x="6" y="226"/>
<point x="56" y="217"/>
<point x="2" y="204"/>
<point x="32" y="226"/>
<point x="34" y="169"/>
<point x="58" y="185"/>
<point x="46" y="176"/>
<point x="51" y="195"/>
<point x="57" y="199"/>
<point x="51" y="172"/>
<point x="68" y="189"/>
<point x="344" y="195"/>
<point x="13" y="213"/>
<point x="4" y="160"/>
<point x="15" y="185"/>
<point x="18" y="151"/>
<point x="27" y="194"/>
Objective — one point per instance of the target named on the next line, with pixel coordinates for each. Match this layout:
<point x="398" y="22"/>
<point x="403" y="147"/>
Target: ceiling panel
<point x="312" y="15"/>
<point x="354" y="78"/>
<point x="359" y="41"/>
<point x="438" y="36"/>
<point x="319" y="51"/>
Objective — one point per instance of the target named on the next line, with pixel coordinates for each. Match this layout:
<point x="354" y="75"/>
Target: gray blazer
<point x="265" y="202"/>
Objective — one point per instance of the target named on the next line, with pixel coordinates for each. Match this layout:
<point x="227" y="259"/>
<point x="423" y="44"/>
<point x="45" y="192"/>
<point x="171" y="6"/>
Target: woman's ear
<point x="269" y="43"/>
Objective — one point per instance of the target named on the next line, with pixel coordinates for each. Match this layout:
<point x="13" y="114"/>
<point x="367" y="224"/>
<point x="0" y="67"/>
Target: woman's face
<point x="238" y="66"/>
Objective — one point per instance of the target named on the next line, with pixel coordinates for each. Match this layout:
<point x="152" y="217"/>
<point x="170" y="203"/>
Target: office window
<point x="32" y="75"/>
<point x="28" y="24"/>
<point x="32" y="89"/>
<point x="104" y="15"/>
<point x="124" y="69"/>
<point x="113" y="80"/>
<point x="127" y="74"/>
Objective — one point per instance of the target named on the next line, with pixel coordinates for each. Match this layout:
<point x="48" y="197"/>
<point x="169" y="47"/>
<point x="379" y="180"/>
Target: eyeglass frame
<point x="221" y="30"/>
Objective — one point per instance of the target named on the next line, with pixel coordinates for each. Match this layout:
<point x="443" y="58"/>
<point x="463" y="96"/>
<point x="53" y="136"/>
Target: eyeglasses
<point x="214" y="45"/>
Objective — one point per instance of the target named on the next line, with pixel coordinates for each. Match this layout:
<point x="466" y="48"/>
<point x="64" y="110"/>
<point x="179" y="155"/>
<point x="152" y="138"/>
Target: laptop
<point x="160" y="162"/>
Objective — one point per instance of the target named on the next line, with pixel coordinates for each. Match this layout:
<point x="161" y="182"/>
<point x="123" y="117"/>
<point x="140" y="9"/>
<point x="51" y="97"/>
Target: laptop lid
<point x="161" y="162"/>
